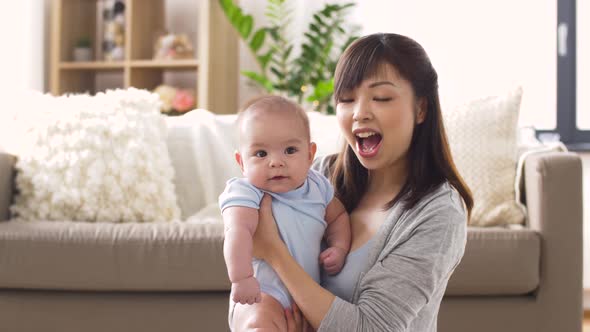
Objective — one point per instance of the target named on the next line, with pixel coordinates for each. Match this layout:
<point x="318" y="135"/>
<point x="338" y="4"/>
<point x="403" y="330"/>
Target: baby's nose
<point x="277" y="162"/>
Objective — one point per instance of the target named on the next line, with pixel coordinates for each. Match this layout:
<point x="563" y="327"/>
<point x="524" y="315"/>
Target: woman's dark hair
<point x="430" y="160"/>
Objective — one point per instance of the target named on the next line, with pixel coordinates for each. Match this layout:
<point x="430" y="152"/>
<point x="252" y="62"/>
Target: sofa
<point x="171" y="276"/>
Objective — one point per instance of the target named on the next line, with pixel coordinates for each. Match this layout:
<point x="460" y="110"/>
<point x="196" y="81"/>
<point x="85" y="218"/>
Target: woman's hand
<point x="266" y="237"/>
<point x="296" y="322"/>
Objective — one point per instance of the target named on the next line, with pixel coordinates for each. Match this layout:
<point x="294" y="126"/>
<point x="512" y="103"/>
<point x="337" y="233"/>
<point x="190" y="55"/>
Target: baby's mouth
<point x="278" y="177"/>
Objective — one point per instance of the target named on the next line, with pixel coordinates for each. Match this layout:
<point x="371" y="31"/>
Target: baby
<point x="275" y="156"/>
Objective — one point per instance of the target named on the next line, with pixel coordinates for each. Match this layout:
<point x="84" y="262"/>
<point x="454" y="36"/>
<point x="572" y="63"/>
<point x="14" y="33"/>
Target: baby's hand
<point x="246" y="291"/>
<point x="333" y="259"/>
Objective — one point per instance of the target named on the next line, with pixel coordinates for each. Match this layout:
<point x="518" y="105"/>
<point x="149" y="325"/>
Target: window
<point x="573" y="103"/>
<point x="481" y="47"/>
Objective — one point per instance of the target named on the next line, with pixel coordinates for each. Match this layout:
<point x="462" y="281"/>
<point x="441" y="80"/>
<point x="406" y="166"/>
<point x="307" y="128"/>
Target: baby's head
<point x="275" y="150"/>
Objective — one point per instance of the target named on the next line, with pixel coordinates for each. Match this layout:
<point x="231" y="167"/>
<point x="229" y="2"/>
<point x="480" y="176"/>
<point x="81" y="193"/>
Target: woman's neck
<point x="389" y="180"/>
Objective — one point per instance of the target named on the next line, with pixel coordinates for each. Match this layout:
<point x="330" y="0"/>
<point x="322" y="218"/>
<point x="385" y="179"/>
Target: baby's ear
<point x="239" y="160"/>
<point x="312" y="150"/>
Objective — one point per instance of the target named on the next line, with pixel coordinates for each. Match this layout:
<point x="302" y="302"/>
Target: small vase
<point x="82" y="54"/>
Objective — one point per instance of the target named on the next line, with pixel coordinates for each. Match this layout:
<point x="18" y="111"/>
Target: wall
<point x="23" y="61"/>
<point x="474" y="55"/>
<point x="32" y="59"/>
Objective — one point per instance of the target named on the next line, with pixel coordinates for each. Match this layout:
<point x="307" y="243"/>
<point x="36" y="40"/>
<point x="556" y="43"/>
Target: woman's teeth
<point x="366" y="134"/>
<point x="368" y="143"/>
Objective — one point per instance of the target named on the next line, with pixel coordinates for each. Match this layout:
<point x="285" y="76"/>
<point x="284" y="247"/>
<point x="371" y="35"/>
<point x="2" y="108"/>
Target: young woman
<point x="408" y="205"/>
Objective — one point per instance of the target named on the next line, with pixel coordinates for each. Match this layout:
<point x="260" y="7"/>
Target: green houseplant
<point x="83" y="49"/>
<point x="308" y="76"/>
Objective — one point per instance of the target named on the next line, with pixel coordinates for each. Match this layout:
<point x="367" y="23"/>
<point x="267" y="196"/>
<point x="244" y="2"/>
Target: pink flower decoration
<point x="183" y="101"/>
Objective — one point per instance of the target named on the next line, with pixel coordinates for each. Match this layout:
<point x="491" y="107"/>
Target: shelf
<point x="165" y="64"/>
<point x="91" y="65"/>
<point x="214" y="76"/>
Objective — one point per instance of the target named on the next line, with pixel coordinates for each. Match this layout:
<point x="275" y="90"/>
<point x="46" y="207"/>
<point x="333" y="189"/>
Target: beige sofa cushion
<point x="498" y="261"/>
<point x="103" y="256"/>
<point x="189" y="257"/>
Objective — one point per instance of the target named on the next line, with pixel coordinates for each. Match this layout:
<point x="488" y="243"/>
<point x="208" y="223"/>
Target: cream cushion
<point x="100" y="158"/>
<point x="483" y="137"/>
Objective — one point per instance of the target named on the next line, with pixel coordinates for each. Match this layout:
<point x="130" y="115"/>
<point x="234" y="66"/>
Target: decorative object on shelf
<point x="175" y="101"/>
<point x="304" y="77"/>
<point x="83" y="49"/>
<point x="113" y="44"/>
<point x="173" y="46"/>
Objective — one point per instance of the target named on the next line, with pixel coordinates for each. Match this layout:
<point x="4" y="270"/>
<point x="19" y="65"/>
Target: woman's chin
<point x="368" y="163"/>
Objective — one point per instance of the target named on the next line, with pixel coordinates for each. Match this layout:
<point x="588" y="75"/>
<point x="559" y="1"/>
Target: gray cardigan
<point x="414" y="254"/>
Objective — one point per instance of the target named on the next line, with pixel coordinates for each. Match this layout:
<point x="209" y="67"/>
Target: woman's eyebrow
<point x="375" y="84"/>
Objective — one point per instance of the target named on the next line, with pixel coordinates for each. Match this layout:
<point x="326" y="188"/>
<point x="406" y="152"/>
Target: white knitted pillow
<point x="483" y="139"/>
<point x="100" y="158"/>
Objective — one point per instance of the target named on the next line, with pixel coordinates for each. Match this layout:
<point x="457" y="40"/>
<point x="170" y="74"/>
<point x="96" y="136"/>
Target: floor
<point x="586" y="324"/>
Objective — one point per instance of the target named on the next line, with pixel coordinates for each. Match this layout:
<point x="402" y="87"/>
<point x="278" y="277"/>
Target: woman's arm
<point x="409" y="278"/>
<point x="312" y="299"/>
<point x="394" y="290"/>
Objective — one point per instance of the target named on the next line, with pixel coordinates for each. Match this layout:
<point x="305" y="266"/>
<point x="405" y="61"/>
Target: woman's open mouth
<point x="368" y="143"/>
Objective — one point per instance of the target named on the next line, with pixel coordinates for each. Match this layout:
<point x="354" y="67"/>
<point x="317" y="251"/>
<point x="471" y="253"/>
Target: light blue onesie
<point x="300" y="219"/>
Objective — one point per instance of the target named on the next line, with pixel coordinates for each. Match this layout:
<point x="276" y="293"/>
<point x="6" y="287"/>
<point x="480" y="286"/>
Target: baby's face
<point x="275" y="152"/>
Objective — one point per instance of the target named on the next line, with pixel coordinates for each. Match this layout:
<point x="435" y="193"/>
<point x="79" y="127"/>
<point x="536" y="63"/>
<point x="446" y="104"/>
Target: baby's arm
<point x="240" y="224"/>
<point x="338" y="237"/>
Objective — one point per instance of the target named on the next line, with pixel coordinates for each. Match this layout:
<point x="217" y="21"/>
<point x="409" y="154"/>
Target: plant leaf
<point x="259" y="79"/>
<point x="245" y="27"/>
<point x="226" y="5"/>
<point x="315" y="29"/>
<point x="275" y="71"/>
<point x="287" y="52"/>
<point x="274" y="33"/>
<point x="264" y="59"/>
<point x="324" y="88"/>
<point x="258" y="39"/>
<point x="319" y="19"/>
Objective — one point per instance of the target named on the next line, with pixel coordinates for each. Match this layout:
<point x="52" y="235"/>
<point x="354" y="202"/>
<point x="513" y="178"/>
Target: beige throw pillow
<point x="99" y="158"/>
<point x="483" y="138"/>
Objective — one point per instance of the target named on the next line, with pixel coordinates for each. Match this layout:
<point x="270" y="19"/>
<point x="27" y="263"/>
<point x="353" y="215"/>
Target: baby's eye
<point x="260" y="153"/>
<point x="290" y="150"/>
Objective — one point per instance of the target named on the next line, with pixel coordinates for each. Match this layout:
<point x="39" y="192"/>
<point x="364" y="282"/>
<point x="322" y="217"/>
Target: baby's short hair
<point x="275" y="104"/>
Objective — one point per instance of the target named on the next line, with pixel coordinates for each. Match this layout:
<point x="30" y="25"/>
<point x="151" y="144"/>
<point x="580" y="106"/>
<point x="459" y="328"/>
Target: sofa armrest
<point x="553" y="184"/>
<point x="7" y="162"/>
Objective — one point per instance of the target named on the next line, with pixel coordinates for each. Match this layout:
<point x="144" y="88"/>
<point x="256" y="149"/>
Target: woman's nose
<point x="362" y="112"/>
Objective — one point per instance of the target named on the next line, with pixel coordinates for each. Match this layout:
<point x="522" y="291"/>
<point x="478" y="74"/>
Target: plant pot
<point x="82" y="54"/>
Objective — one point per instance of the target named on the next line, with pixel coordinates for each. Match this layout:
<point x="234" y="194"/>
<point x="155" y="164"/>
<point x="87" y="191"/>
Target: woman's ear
<point x="312" y="150"/>
<point x="422" y="106"/>
<point x="239" y="160"/>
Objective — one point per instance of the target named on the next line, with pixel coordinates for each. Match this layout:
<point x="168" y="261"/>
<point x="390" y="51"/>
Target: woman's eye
<point x="260" y="154"/>
<point x="345" y="100"/>
<point x="290" y="150"/>
<point x="382" y="99"/>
